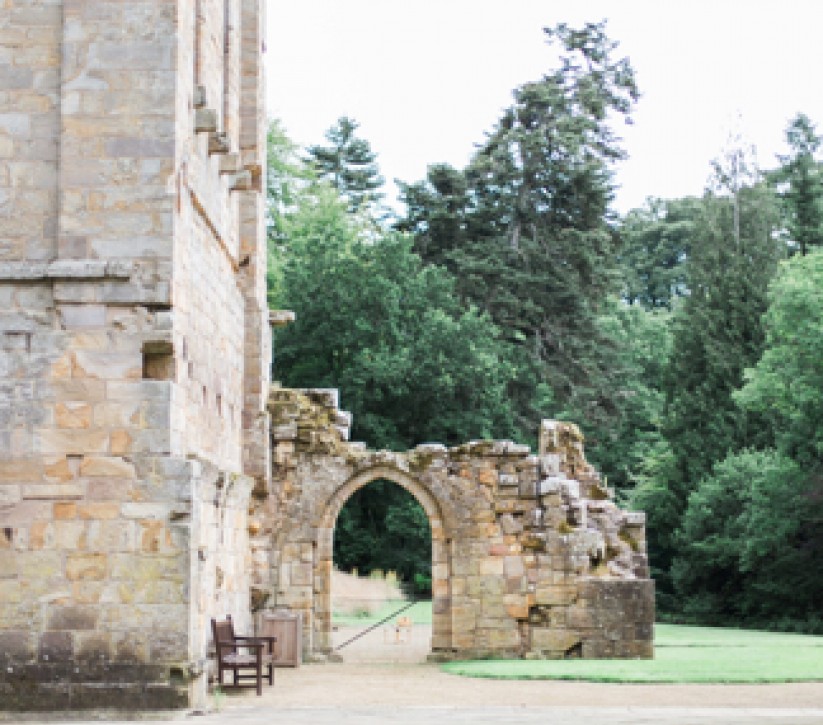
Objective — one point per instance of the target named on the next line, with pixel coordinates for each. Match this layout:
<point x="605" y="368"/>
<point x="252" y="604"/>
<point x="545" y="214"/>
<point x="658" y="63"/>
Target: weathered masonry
<point x="134" y="343"/>
<point x="530" y="556"/>
<point x="141" y="490"/>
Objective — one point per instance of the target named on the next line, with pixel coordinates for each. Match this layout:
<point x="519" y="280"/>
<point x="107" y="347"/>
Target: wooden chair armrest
<point x="262" y="640"/>
<point x="251" y="645"/>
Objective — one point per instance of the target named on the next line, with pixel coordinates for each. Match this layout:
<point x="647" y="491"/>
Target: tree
<point x="717" y="333"/>
<point x="752" y="534"/>
<point x="413" y="362"/>
<point x="717" y="330"/>
<point x="642" y="342"/>
<point x="656" y="243"/>
<point x="525" y="230"/>
<point x="786" y="384"/>
<point x="348" y="164"/>
<point x="730" y="530"/>
<point x="437" y="212"/>
<point x="800" y="185"/>
<point x="286" y="174"/>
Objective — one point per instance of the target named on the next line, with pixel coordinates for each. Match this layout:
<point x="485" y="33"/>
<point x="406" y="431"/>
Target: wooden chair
<point x="260" y="652"/>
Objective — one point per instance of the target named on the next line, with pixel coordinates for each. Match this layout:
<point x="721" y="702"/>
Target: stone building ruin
<point x="530" y="556"/>
<point x="142" y="488"/>
<point x="135" y="342"/>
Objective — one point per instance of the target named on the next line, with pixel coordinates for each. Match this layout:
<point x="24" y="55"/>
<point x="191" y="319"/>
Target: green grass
<point x="420" y="613"/>
<point x="682" y="654"/>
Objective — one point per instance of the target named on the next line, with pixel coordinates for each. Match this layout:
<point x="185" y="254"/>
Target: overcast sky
<point x="426" y="79"/>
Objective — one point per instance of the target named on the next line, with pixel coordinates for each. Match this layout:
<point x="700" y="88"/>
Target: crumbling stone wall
<point x="134" y="343"/>
<point x="530" y="555"/>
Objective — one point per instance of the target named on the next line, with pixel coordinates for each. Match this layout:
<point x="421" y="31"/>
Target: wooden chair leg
<point x="259" y="668"/>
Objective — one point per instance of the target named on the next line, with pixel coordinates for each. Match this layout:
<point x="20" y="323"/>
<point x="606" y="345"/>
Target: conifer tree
<point x="526" y="230"/>
<point x="717" y="333"/>
<point x="349" y="164"/>
<point x="800" y="183"/>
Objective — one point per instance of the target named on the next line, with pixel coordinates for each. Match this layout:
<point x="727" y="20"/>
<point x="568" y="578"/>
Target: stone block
<point x="145" y="510"/>
<point x="555" y="595"/>
<point x="55" y="647"/>
<point x="71" y="618"/>
<point x="16" y="646"/>
<point x="60" y="470"/>
<point x="73" y="442"/>
<point x="98" y="509"/>
<point x="510" y="524"/>
<point x="487" y="476"/>
<point x="554" y="640"/>
<point x="517" y="606"/>
<point x="51" y="490"/>
<point x="92" y="647"/>
<point x="21" y="470"/>
<point x="84" y="567"/>
<point x="550" y="485"/>
<point x="120" y="442"/>
<point x="492" y="567"/>
<point x="107" y="467"/>
<point x="504" y="639"/>
<point x="79" y="316"/>
<point x="513" y="566"/>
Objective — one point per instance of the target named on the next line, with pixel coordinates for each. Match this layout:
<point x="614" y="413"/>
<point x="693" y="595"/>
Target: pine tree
<point x="800" y="183"/>
<point x="526" y="231"/>
<point x="349" y="164"/>
<point x="717" y="332"/>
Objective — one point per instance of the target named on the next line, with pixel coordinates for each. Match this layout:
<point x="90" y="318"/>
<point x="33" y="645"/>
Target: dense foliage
<point x="382" y="528"/>
<point x="524" y="226"/>
<point x="679" y="337"/>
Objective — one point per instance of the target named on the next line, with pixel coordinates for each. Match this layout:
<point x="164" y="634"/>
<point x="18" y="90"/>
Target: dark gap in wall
<point x="158" y="366"/>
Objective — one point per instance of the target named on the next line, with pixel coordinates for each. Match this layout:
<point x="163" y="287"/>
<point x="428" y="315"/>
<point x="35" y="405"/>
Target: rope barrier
<point x="376" y="625"/>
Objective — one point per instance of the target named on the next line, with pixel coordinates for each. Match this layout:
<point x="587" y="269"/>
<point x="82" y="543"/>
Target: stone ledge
<point x="65" y="269"/>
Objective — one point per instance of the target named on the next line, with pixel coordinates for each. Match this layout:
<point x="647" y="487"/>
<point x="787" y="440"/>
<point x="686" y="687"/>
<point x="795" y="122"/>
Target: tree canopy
<point x="677" y="336"/>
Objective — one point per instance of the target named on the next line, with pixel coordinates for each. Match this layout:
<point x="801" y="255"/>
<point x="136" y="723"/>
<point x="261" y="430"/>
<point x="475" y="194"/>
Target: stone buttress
<point x="134" y="343"/>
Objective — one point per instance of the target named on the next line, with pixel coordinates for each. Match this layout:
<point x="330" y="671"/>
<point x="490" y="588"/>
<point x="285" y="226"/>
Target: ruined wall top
<point x="311" y="418"/>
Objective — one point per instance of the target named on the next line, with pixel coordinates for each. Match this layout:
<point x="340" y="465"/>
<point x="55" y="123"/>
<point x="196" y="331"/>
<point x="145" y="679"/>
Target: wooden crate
<point x="288" y="628"/>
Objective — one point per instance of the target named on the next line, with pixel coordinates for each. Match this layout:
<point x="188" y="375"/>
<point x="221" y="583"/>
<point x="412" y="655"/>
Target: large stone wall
<point x="134" y="343"/>
<point x="530" y="555"/>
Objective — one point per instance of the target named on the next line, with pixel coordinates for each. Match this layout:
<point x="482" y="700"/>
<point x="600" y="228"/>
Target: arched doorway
<point x="440" y="546"/>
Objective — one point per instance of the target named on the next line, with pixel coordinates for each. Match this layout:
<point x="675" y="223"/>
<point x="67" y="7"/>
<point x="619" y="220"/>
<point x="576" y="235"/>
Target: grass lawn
<point x="682" y="654"/>
<point x="419" y="612"/>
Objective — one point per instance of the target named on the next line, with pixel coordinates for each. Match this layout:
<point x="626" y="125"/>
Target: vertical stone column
<point x="258" y="345"/>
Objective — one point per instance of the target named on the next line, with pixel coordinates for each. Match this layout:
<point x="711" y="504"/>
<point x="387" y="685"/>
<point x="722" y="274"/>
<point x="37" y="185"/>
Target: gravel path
<point x="384" y="680"/>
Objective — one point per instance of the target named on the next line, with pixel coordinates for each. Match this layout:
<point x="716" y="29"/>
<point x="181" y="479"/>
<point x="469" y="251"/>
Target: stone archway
<point x="440" y="547"/>
<point x="531" y="556"/>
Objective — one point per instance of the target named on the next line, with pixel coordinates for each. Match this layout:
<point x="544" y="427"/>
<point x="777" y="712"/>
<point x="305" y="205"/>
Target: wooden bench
<point x="259" y="653"/>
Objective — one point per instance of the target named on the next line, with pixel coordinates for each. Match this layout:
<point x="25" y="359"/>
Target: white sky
<point x="427" y="78"/>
